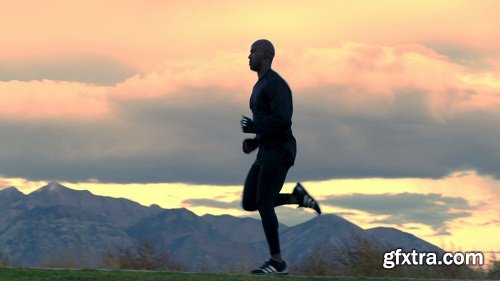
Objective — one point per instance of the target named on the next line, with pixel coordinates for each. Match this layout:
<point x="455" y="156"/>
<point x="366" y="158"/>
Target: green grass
<point x="28" y="274"/>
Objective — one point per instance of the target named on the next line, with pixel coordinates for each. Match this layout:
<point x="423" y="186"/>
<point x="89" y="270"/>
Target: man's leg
<point x="286" y="199"/>
<point x="271" y="179"/>
<point x="299" y="197"/>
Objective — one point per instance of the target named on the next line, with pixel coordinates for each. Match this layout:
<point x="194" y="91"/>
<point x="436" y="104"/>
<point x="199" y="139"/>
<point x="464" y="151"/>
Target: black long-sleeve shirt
<point x="272" y="109"/>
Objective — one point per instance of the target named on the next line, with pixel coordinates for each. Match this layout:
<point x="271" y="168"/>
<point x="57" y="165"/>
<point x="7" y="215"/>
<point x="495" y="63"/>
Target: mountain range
<point x="56" y="221"/>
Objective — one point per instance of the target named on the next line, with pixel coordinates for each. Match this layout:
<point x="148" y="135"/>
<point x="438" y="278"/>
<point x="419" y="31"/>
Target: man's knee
<point x="264" y="205"/>
<point x="248" y="206"/>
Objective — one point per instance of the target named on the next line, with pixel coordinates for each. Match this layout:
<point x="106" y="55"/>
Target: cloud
<point x="360" y="111"/>
<point x="434" y="210"/>
<point x="4" y="184"/>
<point x="404" y="111"/>
<point x="76" y="68"/>
<point x="146" y="141"/>
<point x="406" y="142"/>
<point x="469" y="56"/>
<point x="55" y="100"/>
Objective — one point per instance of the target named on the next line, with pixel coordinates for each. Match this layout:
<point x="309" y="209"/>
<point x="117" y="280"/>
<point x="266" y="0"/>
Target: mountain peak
<point x="55" y="193"/>
<point x="53" y="186"/>
<point x="395" y="238"/>
<point x="326" y="224"/>
<point x="10" y="189"/>
<point x="10" y="195"/>
<point x="387" y="231"/>
<point x="330" y="219"/>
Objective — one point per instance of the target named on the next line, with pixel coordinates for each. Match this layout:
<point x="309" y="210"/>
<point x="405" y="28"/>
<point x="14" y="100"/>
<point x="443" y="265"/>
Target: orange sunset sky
<point x="396" y="106"/>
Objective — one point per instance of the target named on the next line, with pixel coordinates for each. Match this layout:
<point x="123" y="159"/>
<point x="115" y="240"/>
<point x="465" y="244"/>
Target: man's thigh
<point x="272" y="175"/>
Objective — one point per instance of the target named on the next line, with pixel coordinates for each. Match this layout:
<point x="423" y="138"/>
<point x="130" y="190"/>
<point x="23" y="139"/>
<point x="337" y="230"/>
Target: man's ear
<point x="268" y="54"/>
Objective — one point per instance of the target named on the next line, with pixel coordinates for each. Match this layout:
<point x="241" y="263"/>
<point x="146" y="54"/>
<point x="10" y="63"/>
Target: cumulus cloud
<point x="390" y="110"/>
<point x="360" y="111"/>
<point x="434" y="210"/>
<point x="146" y="141"/>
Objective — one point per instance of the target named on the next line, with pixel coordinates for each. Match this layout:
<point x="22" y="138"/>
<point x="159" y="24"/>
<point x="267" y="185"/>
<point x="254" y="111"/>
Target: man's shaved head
<point x="266" y="45"/>
<point x="261" y="56"/>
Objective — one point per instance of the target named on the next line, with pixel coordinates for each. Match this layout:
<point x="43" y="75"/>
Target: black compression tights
<point x="262" y="192"/>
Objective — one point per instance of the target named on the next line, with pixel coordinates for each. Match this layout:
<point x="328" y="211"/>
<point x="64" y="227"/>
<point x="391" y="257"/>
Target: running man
<point x="272" y="108"/>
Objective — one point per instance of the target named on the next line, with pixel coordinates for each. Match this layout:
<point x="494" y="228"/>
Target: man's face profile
<point x="257" y="54"/>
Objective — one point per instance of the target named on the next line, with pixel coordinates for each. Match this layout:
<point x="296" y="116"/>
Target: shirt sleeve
<point x="280" y="118"/>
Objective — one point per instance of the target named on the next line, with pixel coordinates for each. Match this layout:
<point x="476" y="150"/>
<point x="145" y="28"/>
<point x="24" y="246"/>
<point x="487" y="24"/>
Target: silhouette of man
<point x="272" y="108"/>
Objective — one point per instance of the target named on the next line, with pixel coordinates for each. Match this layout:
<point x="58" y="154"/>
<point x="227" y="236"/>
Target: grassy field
<point x="24" y="274"/>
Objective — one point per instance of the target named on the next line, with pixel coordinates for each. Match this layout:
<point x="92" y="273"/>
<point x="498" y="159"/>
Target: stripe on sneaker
<point x="308" y="201"/>
<point x="269" y="269"/>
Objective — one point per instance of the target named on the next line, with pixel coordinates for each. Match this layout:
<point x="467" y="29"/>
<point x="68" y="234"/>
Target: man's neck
<point x="263" y="71"/>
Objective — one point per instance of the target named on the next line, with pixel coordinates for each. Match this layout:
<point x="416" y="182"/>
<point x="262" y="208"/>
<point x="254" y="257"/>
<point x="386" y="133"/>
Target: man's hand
<point x="248" y="126"/>
<point x="250" y="145"/>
